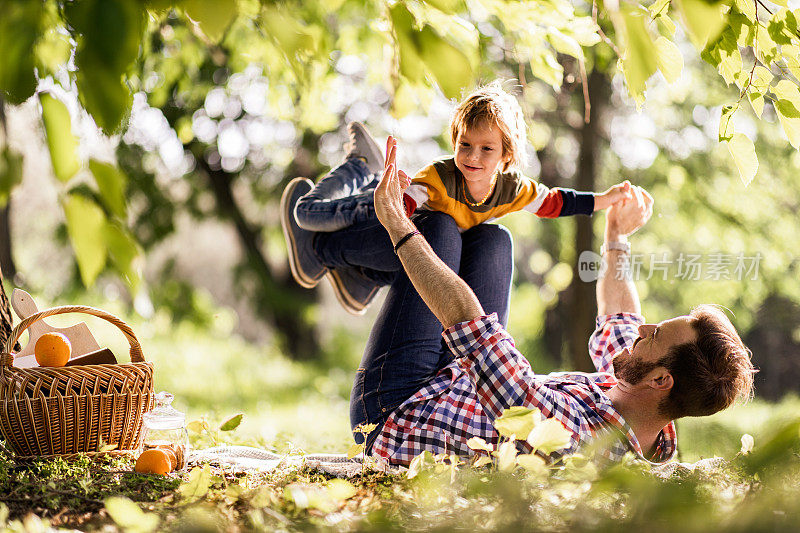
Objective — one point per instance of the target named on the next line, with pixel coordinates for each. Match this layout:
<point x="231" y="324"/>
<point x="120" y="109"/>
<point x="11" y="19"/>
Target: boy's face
<point x="479" y="153"/>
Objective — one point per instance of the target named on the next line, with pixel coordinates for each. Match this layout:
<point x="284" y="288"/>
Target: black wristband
<point x="405" y="238"/>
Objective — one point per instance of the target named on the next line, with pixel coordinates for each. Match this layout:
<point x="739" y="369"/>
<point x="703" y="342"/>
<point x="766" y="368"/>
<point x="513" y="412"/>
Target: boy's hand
<point x="613" y="195"/>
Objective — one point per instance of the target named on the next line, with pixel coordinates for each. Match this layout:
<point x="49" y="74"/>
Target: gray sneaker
<point x="306" y="268"/>
<point x="354" y="291"/>
<point x="364" y="146"/>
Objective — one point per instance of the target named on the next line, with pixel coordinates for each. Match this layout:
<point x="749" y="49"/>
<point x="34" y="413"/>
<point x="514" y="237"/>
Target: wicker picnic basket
<point x="75" y="409"/>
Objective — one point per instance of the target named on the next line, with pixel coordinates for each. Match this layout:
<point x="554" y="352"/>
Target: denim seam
<point x="383" y="363"/>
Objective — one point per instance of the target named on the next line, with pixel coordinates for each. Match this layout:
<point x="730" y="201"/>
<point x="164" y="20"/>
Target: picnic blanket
<point x="249" y="459"/>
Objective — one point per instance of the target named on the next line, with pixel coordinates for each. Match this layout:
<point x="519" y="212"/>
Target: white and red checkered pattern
<point x="490" y="375"/>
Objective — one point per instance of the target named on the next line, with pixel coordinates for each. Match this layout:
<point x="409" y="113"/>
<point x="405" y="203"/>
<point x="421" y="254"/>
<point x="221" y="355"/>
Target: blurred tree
<point x="190" y="59"/>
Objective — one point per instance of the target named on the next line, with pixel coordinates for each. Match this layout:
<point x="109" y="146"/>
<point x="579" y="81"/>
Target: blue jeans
<point x="405" y="349"/>
<point x="342" y="198"/>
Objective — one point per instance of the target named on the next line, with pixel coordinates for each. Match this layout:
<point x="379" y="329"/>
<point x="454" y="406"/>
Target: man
<point x="427" y="394"/>
<point x="686" y="366"/>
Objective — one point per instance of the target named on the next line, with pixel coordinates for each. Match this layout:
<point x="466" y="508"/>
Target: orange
<point x="52" y="349"/>
<point x="153" y="461"/>
<point x="173" y="457"/>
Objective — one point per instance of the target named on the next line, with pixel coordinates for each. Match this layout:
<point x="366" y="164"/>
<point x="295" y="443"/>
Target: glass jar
<point x="165" y="427"/>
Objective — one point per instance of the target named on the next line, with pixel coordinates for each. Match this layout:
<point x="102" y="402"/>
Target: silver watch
<point x="616" y="245"/>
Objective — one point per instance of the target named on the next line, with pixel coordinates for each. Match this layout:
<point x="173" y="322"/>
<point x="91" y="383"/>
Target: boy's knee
<point x="440" y="230"/>
<point x="494" y="238"/>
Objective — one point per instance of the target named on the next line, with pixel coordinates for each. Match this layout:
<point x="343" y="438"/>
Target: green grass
<point x="215" y="374"/>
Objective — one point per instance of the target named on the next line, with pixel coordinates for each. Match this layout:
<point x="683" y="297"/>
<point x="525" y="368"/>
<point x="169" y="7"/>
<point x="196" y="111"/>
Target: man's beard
<point x="631" y="369"/>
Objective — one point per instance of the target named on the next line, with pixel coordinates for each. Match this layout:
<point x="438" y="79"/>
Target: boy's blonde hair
<point x="493" y="106"/>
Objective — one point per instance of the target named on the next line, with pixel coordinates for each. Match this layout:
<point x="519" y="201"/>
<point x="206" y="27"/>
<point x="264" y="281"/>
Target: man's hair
<point x="492" y="106"/>
<point x="710" y="373"/>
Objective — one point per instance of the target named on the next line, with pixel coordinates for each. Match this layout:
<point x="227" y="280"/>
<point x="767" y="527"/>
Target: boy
<point x="480" y="183"/>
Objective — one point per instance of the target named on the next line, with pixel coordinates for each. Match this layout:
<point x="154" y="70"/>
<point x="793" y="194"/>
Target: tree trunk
<point x="582" y="299"/>
<point x="281" y="301"/>
<point x="6" y="260"/>
<point x="6" y="321"/>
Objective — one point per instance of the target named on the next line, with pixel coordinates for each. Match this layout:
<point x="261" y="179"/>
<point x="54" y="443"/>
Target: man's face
<point x="651" y="348"/>
<point x="479" y="153"/>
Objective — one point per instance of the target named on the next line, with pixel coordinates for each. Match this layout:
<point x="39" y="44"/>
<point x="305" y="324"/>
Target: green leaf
<point x="411" y="65"/>
<point x="103" y="94"/>
<point x="704" y="20"/>
<point x="786" y="90"/>
<point x="782" y="27"/>
<point x="670" y="60"/>
<point x="128" y="516"/>
<point x="759" y="84"/>
<point x="517" y="421"/>
<point x="446" y="6"/>
<point x="124" y="252"/>
<point x="564" y="44"/>
<point x="549" y="436"/>
<point x="658" y="8"/>
<point x="506" y="456"/>
<point x="477" y="443"/>
<point x="212" y="16"/>
<point x="666" y="25"/>
<point x="787" y="108"/>
<point x="744" y="155"/>
<point x="639" y="60"/>
<point x="766" y="48"/>
<point x="791" y="126"/>
<point x="10" y="173"/>
<point x="197" y="426"/>
<point x="449" y="66"/>
<point x="354" y="450"/>
<point x="545" y="67"/>
<point x="298" y="42"/>
<point x="197" y="485"/>
<point x="340" y="489"/>
<point x="307" y="496"/>
<point x="52" y="52"/>
<point x="532" y="463"/>
<point x="747" y="444"/>
<point x="747" y="8"/>
<point x="20" y="27"/>
<point x="232" y="423"/>
<point x="482" y="461"/>
<point x="725" y="125"/>
<point x="109" y="32"/>
<point x="420" y="463"/>
<point x="365" y="429"/>
<point x="86" y="222"/>
<point x="111" y="182"/>
<point x="60" y="141"/>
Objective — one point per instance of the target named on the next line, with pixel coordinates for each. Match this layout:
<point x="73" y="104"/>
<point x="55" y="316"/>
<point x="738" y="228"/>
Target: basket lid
<point x="163" y="415"/>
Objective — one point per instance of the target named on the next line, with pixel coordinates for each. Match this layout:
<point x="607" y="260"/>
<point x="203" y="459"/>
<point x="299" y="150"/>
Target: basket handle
<point x="136" y="348"/>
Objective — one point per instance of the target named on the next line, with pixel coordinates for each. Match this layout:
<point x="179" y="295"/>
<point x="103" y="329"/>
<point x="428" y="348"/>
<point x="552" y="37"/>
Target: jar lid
<point x="163" y="415"/>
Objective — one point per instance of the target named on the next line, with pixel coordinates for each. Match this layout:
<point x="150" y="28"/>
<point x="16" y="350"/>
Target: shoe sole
<point x="372" y="146"/>
<point x="302" y="279"/>
<point x="351" y="306"/>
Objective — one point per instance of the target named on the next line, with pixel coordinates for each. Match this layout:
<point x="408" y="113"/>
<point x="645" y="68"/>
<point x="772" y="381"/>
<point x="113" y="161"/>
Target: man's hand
<point x="389" y="196"/>
<point x="447" y="295"/>
<point x="627" y="216"/>
<point x="615" y="194"/>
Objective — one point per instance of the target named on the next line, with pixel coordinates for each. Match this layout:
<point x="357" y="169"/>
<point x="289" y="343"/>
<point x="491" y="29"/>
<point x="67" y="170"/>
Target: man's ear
<point x="661" y="380"/>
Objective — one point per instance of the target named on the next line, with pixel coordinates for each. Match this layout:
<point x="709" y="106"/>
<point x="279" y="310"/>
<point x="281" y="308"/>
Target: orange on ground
<point x="52" y="349"/>
<point x="153" y="461"/>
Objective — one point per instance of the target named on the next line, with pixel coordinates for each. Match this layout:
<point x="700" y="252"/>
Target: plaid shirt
<point x="490" y="375"/>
